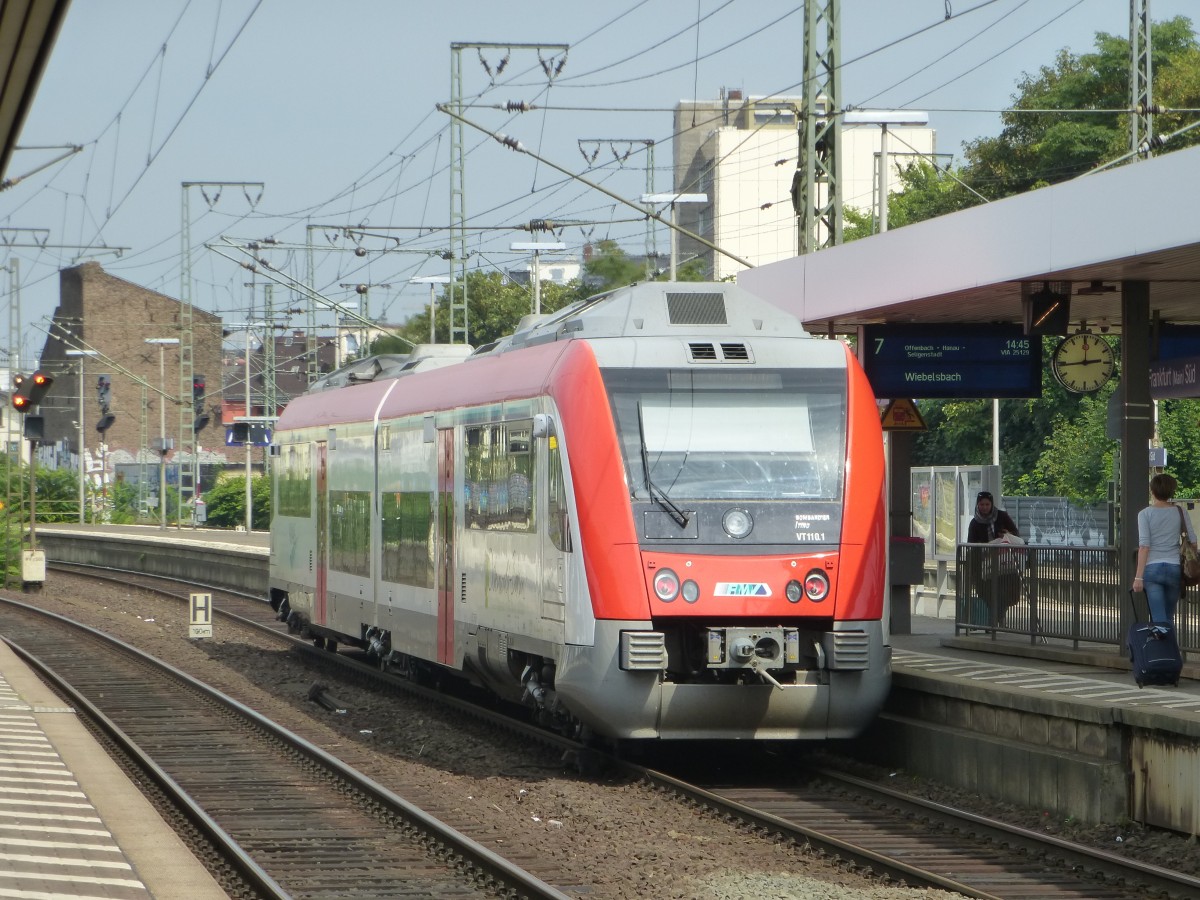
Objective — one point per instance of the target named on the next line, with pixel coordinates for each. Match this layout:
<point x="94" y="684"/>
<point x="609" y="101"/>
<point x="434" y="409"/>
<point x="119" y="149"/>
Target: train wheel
<point x="319" y="643"/>
<point x="331" y="645"/>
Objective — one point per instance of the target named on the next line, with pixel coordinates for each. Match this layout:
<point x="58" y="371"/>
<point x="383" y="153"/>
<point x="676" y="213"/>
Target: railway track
<point x="299" y="822"/>
<point x="901" y="837"/>
<point x="921" y="843"/>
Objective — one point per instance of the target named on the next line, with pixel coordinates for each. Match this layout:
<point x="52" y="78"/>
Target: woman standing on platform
<point x="986" y="525"/>
<point x="1158" y="570"/>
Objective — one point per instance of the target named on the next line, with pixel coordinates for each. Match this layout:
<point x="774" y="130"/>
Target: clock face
<point x="1083" y="363"/>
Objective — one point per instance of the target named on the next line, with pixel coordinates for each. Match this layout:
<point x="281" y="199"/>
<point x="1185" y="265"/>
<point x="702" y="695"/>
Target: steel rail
<point x="466" y="849"/>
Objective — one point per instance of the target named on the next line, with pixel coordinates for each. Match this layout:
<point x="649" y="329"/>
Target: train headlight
<point x="691" y="591"/>
<point x="816" y="586"/>
<point x="794" y="591"/>
<point x="737" y="523"/>
<point x="666" y="585"/>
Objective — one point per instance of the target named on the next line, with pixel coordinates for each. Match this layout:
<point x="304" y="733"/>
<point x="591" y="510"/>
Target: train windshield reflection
<point x="775" y="435"/>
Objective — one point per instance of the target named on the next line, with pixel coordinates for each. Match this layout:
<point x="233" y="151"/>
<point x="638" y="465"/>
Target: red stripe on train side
<point x="610" y="548"/>
<point x="861" y="587"/>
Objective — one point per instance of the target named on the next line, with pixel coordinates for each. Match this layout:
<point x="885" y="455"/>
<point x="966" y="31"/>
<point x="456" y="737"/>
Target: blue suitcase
<point x="1153" y="651"/>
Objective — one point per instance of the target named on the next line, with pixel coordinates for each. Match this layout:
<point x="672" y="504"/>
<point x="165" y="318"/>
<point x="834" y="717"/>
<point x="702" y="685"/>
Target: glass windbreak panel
<point x="946" y="513"/>
<point x="922" y="505"/>
<point x="769" y="435"/>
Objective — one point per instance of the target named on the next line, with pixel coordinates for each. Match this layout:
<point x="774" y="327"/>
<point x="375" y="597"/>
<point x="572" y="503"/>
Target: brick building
<point x="114" y="317"/>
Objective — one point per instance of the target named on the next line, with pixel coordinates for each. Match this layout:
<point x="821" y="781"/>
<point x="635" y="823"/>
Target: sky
<point x="318" y="116"/>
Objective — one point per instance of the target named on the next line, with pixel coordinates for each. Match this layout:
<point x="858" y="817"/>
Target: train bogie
<point x="657" y="514"/>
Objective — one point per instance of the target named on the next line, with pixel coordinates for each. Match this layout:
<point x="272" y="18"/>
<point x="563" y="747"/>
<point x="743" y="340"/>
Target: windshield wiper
<point x="657" y="494"/>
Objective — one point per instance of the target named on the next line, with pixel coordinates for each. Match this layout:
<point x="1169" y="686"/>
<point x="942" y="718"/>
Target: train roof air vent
<point x="703" y="352"/>
<point x="735" y="351"/>
<point x="696" y="309"/>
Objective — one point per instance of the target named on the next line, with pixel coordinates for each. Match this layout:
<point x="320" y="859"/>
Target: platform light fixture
<point x="431" y="280"/>
<point x="81" y="355"/>
<point x="883" y="118"/>
<point x="674" y="200"/>
<point x="163" y="445"/>
<point x="536" y="273"/>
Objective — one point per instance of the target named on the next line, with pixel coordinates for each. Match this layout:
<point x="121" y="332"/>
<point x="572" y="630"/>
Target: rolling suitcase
<point x="1153" y="648"/>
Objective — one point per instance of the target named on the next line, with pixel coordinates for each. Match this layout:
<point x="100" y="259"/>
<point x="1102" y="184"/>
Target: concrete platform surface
<point x="72" y="825"/>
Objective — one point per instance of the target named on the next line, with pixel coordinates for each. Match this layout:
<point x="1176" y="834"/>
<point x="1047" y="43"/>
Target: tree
<point x="57" y="495"/>
<point x="1065" y="119"/>
<point x="495" y="306"/>
<point x="611" y="268"/>
<point x="123" y="503"/>
<point x="225" y="501"/>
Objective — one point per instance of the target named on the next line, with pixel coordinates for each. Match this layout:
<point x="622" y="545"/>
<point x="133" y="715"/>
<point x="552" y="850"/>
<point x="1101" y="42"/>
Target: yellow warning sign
<point x="902" y="415"/>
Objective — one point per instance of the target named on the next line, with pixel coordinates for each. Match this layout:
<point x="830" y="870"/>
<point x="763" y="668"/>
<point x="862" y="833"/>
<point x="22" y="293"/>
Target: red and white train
<point x="657" y="513"/>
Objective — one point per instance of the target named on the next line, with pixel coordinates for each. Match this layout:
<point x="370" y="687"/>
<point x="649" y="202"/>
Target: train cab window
<point x="499" y="477"/>
<point x="557" y="502"/>
<point x="760" y="435"/>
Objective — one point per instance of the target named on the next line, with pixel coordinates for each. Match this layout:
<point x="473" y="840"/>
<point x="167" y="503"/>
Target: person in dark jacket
<point x="1001" y="590"/>
<point x="989" y="523"/>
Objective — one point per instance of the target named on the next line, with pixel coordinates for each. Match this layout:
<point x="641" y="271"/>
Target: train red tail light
<point x="666" y="585"/>
<point x="816" y="586"/>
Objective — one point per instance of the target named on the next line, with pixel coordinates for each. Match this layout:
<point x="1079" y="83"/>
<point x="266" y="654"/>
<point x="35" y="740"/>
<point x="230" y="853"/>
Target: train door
<point x="322" y="569"/>
<point x="445" y="546"/>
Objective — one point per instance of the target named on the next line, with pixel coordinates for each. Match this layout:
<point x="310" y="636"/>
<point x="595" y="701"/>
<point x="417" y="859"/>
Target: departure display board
<point x="952" y="361"/>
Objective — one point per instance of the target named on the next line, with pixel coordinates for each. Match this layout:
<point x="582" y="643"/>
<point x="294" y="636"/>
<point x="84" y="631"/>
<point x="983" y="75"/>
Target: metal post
<point x="162" y="443"/>
<point x="883" y="191"/>
<point x="537" y="284"/>
<point x="82" y="485"/>
<point x="248" y="446"/>
<point x="432" y="310"/>
<point x="32" y="494"/>
<point x="674" y="239"/>
<point x="162" y="426"/>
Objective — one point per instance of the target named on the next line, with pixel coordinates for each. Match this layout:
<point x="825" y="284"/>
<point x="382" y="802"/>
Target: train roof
<point x="650" y="309"/>
<point x="655" y="309"/>
<point x="392" y="365"/>
<point x="688" y="322"/>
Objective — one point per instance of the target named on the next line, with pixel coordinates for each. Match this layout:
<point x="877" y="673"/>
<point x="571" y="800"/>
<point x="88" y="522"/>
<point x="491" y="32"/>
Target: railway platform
<point x="1050" y="725"/>
<point x="72" y="824"/>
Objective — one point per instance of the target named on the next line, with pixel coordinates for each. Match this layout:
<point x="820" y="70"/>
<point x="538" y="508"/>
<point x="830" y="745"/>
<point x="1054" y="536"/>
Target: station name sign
<point x="952" y="361"/>
<point x="1175" y="378"/>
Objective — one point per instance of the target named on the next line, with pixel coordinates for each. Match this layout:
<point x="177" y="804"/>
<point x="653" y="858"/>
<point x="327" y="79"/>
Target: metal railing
<point x="1071" y="594"/>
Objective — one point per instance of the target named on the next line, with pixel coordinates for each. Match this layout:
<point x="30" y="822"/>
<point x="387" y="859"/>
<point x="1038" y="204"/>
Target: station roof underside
<point x="1139" y="222"/>
<point x="28" y="29"/>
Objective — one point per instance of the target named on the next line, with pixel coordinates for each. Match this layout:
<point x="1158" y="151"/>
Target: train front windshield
<point x="698" y="435"/>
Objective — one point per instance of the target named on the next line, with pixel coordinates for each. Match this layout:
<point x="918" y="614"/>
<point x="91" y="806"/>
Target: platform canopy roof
<point x="28" y="29"/>
<point x="1140" y="221"/>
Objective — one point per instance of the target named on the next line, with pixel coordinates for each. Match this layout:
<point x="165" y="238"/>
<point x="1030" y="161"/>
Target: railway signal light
<point x="20" y="394"/>
<point x="105" y="422"/>
<point x="104" y="392"/>
<point x="39" y="384"/>
<point x="28" y="391"/>
<point x="202" y="418"/>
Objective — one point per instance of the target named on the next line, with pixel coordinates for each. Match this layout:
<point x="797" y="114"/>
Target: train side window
<point x="499" y="477"/>
<point x="294" y="481"/>
<point x="558" y="505"/>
